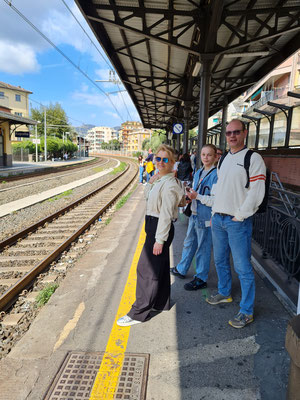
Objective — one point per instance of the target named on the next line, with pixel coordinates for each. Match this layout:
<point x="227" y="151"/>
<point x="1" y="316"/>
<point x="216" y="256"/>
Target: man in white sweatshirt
<point x="232" y="210"/>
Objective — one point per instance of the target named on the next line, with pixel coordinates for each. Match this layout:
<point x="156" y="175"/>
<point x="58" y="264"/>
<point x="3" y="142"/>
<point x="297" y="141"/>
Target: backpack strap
<point x="247" y="166"/>
<point x="199" y="182"/>
<point x="222" y="159"/>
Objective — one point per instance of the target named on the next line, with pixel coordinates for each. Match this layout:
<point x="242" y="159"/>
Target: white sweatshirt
<point x="163" y="197"/>
<point x="229" y="195"/>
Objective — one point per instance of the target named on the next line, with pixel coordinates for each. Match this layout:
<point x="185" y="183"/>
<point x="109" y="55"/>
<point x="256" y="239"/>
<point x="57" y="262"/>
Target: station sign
<point x="177" y="128"/>
<point x="36" y="141"/>
<point x="22" y="134"/>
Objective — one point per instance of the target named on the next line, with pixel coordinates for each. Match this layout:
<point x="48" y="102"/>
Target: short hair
<point x="241" y="122"/>
<point x="212" y="146"/>
<point x="168" y="149"/>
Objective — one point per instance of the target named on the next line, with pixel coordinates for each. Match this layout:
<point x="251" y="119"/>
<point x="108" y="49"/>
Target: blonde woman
<point x="163" y="194"/>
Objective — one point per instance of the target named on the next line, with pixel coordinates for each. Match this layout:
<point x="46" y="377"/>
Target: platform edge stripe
<point x="107" y="378"/>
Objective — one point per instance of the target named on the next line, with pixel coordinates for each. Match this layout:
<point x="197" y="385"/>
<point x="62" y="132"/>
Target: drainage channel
<point x="75" y="378"/>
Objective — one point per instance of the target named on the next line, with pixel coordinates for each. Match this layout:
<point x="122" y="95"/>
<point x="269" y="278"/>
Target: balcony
<point x="279" y="93"/>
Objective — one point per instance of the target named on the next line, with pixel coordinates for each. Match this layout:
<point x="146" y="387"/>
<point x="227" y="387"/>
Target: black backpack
<point x="263" y="205"/>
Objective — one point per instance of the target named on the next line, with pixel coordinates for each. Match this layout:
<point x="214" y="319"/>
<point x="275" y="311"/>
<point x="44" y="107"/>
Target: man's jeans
<point x="235" y="236"/>
<point x="197" y="241"/>
<point x="148" y="175"/>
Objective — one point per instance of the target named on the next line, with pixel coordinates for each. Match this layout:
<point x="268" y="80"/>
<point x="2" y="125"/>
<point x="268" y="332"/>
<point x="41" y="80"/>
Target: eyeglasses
<point x="236" y="132"/>
<point x="165" y="159"/>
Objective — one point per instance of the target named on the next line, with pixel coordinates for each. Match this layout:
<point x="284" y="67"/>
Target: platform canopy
<point x="159" y="48"/>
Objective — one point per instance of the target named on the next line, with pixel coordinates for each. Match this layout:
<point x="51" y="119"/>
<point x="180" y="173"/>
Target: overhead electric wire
<point x="61" y="52"/>
<point x="128" y="113"/>
<point x="91" y="40"/>
<point x="96" y="47"/>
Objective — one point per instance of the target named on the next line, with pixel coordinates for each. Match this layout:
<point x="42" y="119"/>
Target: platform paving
<point x="23" y="167"/>
<point x="194" y="353"/>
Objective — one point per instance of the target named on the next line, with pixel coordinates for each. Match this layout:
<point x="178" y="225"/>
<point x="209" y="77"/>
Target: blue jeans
<point x="141" y="174"/>
<point x="148" y="175"/>
<point x="234" y="236"/>
<point x="197" y="241"/>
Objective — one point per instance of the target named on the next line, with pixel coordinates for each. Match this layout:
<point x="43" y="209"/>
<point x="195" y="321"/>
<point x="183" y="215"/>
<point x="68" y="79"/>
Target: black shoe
<point x="175" y="272"/>
<point x="195" y="284"/>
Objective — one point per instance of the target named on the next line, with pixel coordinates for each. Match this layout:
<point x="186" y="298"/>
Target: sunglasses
<point x="165" y="159"/>
<point x="236" y="132"/>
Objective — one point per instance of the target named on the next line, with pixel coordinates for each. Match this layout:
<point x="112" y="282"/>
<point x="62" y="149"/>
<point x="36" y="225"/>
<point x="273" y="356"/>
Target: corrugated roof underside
<point x="159" y="46"/>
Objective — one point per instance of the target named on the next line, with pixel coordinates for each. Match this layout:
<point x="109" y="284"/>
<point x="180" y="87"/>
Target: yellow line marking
<point x="69" y="326"/>
<point x="108" y="375"/>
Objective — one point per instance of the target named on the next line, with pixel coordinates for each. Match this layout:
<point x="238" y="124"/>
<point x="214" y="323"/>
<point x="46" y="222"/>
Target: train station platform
<point x="187" y="353"/>
<point x="22" y="168"/>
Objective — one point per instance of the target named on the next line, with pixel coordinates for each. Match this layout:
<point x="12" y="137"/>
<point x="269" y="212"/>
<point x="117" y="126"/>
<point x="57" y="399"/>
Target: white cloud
<point x="109" y="104"/>
<point x="54" y="20"/>
<point x="114" y="115"/>
<point x="17" y="58"/>
<point x="89" y="98"/>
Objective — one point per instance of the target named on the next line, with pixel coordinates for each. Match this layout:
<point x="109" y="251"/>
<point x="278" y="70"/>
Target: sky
<point x="28" y="60"/>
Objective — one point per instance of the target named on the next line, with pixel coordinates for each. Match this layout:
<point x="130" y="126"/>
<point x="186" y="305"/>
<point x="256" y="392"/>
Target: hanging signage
<point x="36" y="141"/>
<point x="178" y="128"/>
<point x="22" y="134"/>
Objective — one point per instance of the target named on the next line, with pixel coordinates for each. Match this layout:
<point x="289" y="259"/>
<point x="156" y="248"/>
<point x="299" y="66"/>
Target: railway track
<point x="53" y="174"/>
<point x="29" y="252"/>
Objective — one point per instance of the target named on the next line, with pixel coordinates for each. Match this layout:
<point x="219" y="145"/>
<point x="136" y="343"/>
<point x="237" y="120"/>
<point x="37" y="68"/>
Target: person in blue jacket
<point x="198" y="238"/>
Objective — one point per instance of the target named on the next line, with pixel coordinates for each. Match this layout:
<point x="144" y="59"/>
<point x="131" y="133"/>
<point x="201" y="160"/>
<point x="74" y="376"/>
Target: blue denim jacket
<point x="203" y="211"/>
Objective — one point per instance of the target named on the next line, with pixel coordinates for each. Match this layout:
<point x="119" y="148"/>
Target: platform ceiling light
<point x="247" y="54"/>
<point x="196" y="69"/>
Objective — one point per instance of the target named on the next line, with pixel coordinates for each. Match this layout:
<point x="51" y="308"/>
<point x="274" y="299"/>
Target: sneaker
<point x="241" y="320"/>
<point x="157" y="310"/>
<point x="175" y="272"/>
<point x="195" y="284"/>
<point x="127" y="321"/>
<point x="219" y="298"/>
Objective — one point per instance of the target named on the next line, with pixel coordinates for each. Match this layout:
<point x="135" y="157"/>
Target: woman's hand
<point x="154" y="178"/>
<point x="191" y="194"/>
<point x="157" y="248"/>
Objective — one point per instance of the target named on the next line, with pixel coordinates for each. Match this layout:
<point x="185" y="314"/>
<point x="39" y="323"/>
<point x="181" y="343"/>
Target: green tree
<point x="56" y="147"/>
<point x="27" y="144"/>
<point x="55" y="115"/>
<point x="158" y="137"/>
<point x="113" y="144"/>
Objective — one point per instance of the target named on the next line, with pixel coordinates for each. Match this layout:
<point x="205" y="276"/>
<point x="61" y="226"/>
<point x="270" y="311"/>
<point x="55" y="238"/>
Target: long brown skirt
<point x="153" y="275"/>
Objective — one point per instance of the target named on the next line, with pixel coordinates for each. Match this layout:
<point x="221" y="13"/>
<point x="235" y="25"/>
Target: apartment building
<point x="274" y="88"/>
<point x="136" y="137"/>
<point x="15" y="100"/>
<point x="127" y="128"/>
<point x="254" y="107"/>
<point x="98" y="135"/>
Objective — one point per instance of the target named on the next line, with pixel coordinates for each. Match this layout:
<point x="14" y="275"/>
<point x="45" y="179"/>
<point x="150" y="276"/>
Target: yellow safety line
<point x="108" y="375"/>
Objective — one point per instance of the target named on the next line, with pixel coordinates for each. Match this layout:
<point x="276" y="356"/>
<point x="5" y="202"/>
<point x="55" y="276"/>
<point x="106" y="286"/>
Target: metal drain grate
<point x="75" y="378"/>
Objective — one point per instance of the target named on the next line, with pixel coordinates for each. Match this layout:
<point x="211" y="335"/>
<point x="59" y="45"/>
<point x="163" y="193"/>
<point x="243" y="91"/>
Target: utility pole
<point x="36" y="145"/>
<point x="45" y="134"/>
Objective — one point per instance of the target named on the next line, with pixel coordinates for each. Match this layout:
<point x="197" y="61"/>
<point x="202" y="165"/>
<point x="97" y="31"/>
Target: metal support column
<point x="288" y="127"/>
<point x="271" y="118"/>
<point x="186" y="113"/>
<point x="223" y="129"/>
<point x="178" y="143"/>
<point x="203" y="104"/>
<point x="257" y="134"/>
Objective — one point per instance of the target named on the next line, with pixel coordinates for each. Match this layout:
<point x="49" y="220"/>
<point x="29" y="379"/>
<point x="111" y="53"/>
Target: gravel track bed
<point x="21" y="219"/>
<point x="10" y="335"/>
<point x="38" y="187"/>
